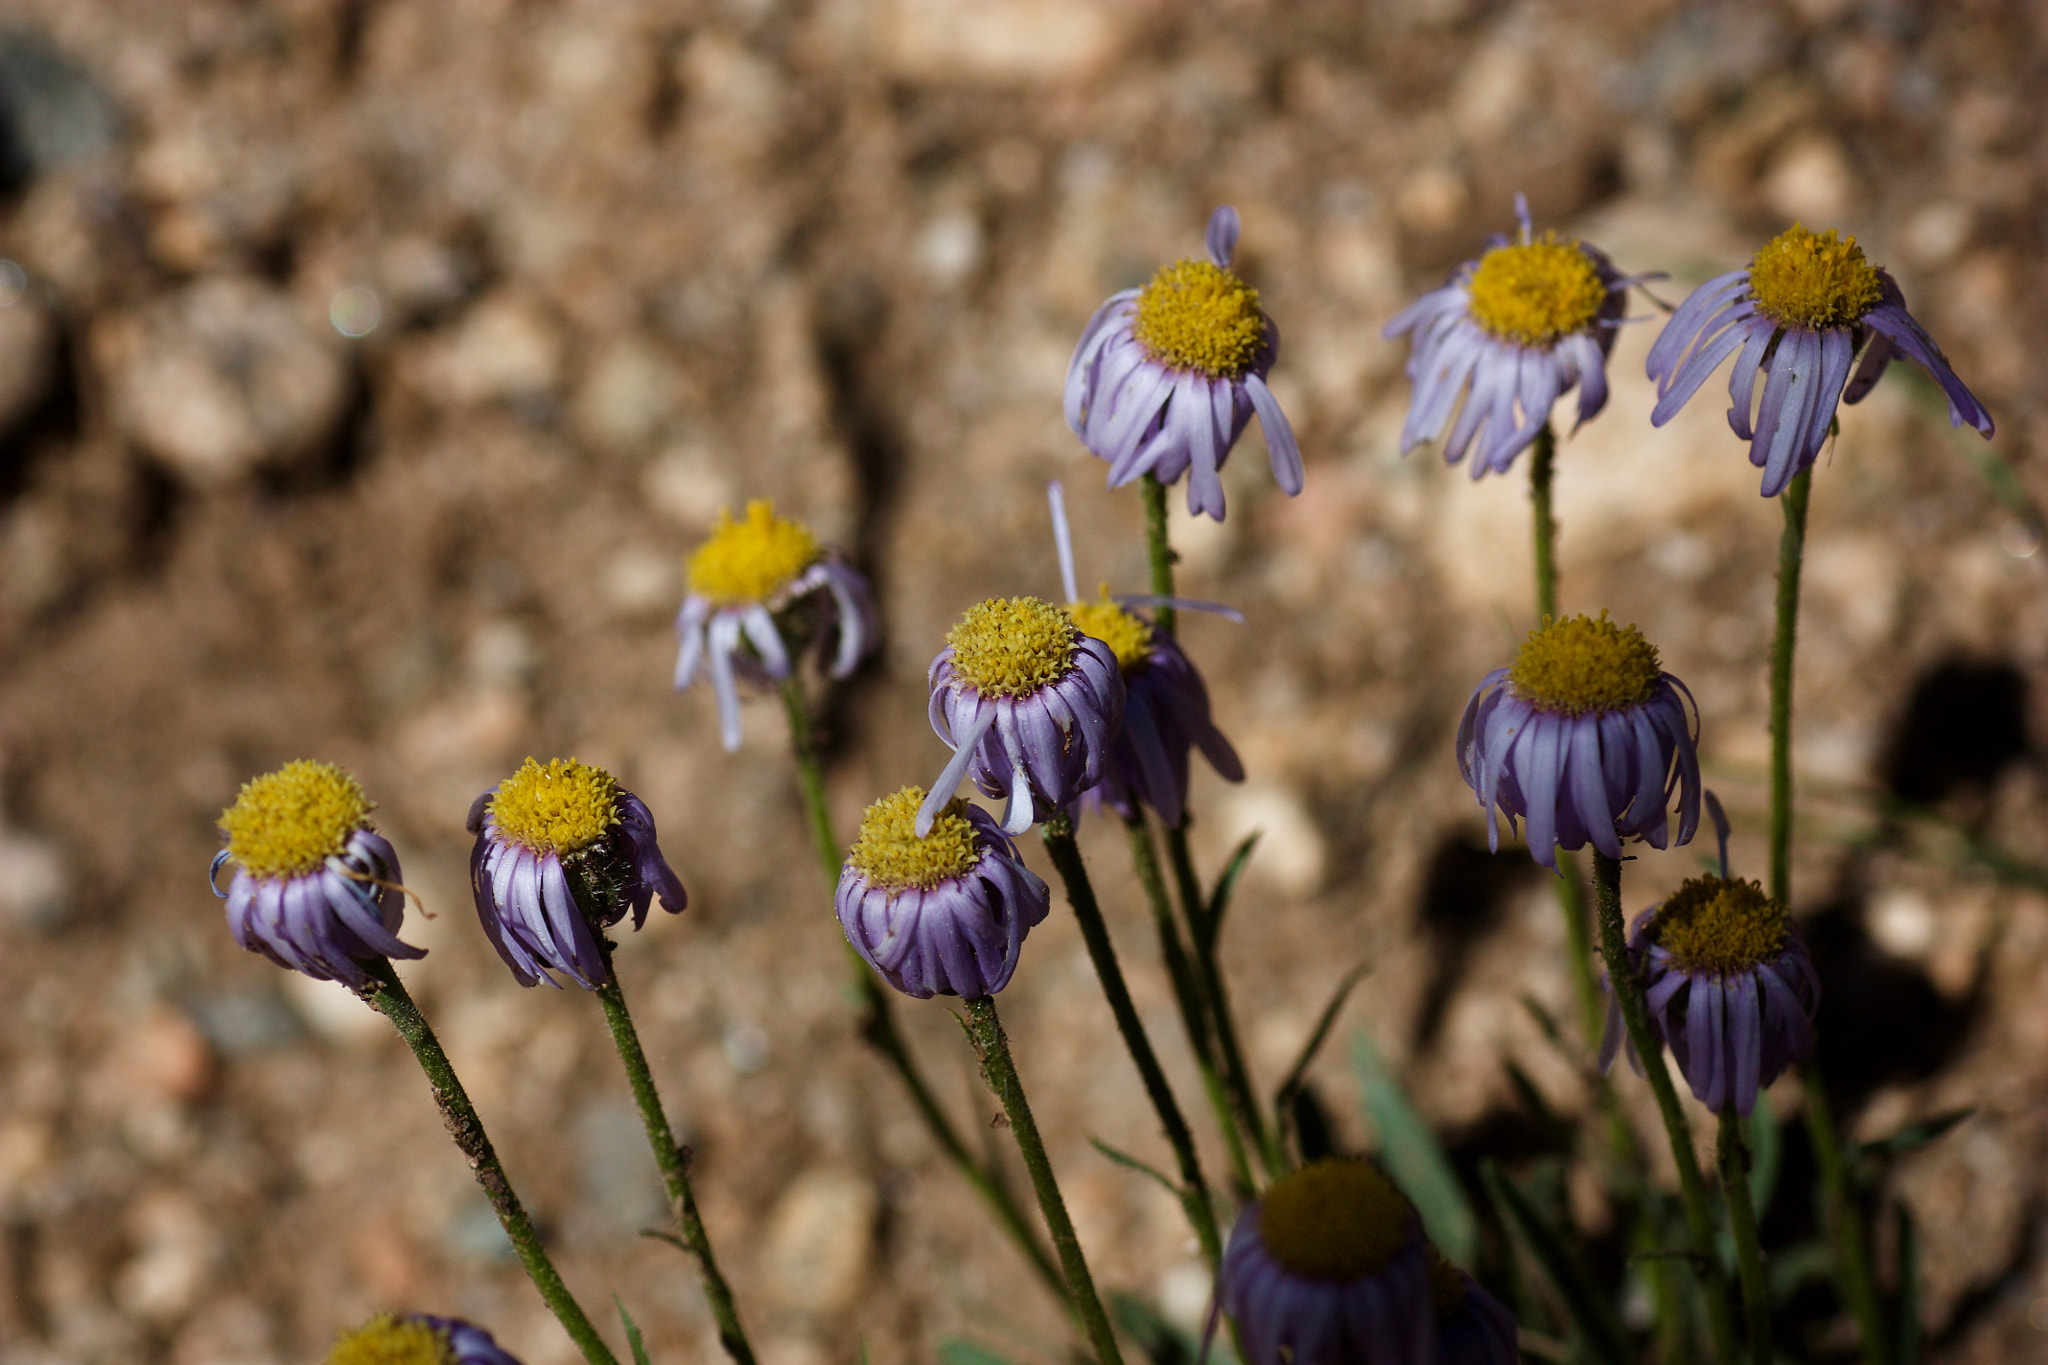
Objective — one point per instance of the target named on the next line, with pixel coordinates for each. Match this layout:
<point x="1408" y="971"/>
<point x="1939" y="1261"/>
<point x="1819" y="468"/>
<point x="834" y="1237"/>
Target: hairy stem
<point x="1732" y="1156"/>
<point x="1635" y="1014"/>
<point x="992" y="1046"/>
<point x="391" y="1000"/>
<point x="1194" y="1190"/>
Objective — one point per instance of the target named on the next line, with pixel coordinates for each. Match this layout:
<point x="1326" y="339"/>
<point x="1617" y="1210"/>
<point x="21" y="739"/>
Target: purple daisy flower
<point x="1166" y="706"/>
<point x="1586" y="738"/>
<point x="1729" y="987"/>
<point x="1030" y="706"/>
<point x="761" y="590"/>
<point x="1472" y="1326"/>
<point x="942" y="912"/>
<point x="1329" y="1267"/>
<point x="315" y="888"/>
<point x="418" y="1339"/>
<point x="539" y="833"/>
<point x="1510" y="334"/>
<point x="1797" y="315"/>
<point x="1166" y="377"/>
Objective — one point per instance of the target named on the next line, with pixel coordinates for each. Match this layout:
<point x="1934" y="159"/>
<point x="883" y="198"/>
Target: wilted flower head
<point x="1166" y="705"/>
<point x="315" y="888"/>
<point x="1329" y="1267"/>
<point x="1796" y="315"/>
<point x="1729" y="988"/>
<point x="540" y="834"/>
<point x="416" y="1339"/>
<point x="1166" y="377"/>
<point x="1509" y="335"/>
<point x="1472" y="1326"/>
<point x="761" y="589"/>
<point x="1028" y="703"/>
<point x="1587" y="738"/>
<point x="941" y="913"/>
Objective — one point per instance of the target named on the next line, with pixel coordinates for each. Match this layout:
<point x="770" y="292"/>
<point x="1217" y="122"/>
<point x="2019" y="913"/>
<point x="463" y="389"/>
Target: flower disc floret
<point x="558" y="807"/>
<point x="754" y="559"/>
<point x="1532" y="293"/>
<point x="1123" y="631"/>
<point x="1196" y="315"/>
<point x="1813" y="280"/>
<point x="1335" y="1220"/>
<point x="1012" y="647"/>
<point x="890" y="855"/>
<point x="1721" y="927"/>
<point x="1580" y="665"/>
<point x="387" y="1340"/>
<point x="295" y="819"/>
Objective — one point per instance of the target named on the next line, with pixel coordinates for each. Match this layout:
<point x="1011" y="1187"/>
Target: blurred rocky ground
<point x="366" y="368"/>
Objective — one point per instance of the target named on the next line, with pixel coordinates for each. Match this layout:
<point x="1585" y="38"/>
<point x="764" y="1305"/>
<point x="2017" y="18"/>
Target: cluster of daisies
<point x="1048" y="708"/>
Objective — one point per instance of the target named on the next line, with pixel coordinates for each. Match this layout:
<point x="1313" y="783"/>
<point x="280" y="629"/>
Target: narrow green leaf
<point x="1162" y="1342"/>
<point x="1219" y="899"/>
<point x="1413" y="1157"/>
<point x="1907" y="1351"/>
<point x="1129" y="1162"/>
<point x="1283" y="1098"/>
<point x="1914" y="1136"/>
<point x="1532" y="1100"/>
<point x="959" y="1352"/>
<point x="1599" y="1329"/>
<point x="632" y="1333"/>
<point x="1793" y="1268"/>
<point x="1766" y="1156"/>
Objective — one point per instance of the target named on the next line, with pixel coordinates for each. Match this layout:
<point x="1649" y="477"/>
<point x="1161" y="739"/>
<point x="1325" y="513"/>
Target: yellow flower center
<point x="1716" y="927"/>
<point x="1446" y="1286"/>
<point x="889" y="855"/>
<point x="385" y="1340"/>
<point x="1011" y="647"/>
<point x="751" y="560"/>
<point x="295" y="819"/>
<point x="558" y="807"/>
<point x="1813" y="280"/>
<point x="1196" y="315"/>
<point x="1578" y="665"/>
<point x="1126" y="634"/>
<point x="1532" y="293"/>
<point x="1335" y="1220"/>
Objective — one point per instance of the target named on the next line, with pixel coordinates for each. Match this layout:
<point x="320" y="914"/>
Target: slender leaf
<point x="1793" y="1268"/>
<point x="1598" y="1327"/>
<point x="1283" y="1098"/>
<point x="1226" y="884"/>
<point x="1163" y="1342"/>
<point x="1129" y="1162"/>
<point x="632" y="1333"/>
<point x="1907" y="1351"/>
<point x="1555" y="1129"/>
<point x="1766" y="1156"/>
<point x="959" y="1352"/>
<point x="1413" y="1157"/>
<point x="1914" y="1136"/>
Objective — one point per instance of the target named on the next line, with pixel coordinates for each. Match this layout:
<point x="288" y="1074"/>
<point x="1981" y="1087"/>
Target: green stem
<point x="674" y="1161"/>
<point x="1732" y="1156"/>
<point x="1160" y="550"/>
<point x="1791" y="549"/>
<point x="1852" y="1260"/>
<point x="1853" y="1279"/>
<point x="985" y="1032"/>
<point x="391" y="1000"/>
<point x="1635" y="1014"/>
<point x="1542" y="458"/>
<point x="1186" y="991"/>
<point x="1209" y="975"/>
<point x="1058" y="833"/>
<point x="878" y="1019"/>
